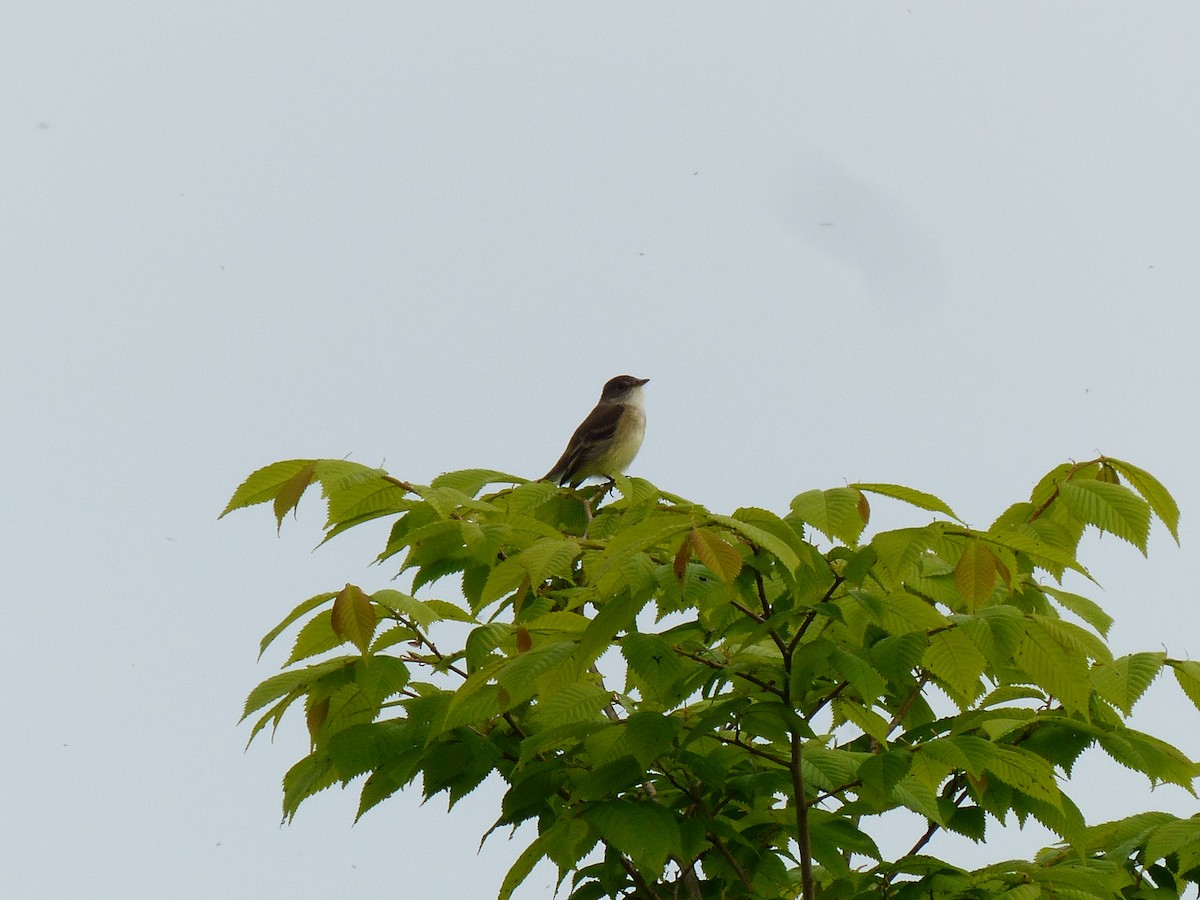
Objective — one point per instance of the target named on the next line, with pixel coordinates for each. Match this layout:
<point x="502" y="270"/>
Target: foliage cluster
<point x="695" y="705"/>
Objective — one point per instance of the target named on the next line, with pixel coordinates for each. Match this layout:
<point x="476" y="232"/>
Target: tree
<point x="697" y="705"/>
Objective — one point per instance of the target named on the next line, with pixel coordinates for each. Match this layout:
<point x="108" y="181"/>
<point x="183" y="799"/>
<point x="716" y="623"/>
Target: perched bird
<point x="609" y="438"/>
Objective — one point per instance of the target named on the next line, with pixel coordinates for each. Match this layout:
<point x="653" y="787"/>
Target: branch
<point x="803" y="838"/>
<point x="752" y="749"/>
<point x="908" y="703"/>
<point x="812" y="614"/>
<point x="757" y="682"/>
<point x="828" y="698"/>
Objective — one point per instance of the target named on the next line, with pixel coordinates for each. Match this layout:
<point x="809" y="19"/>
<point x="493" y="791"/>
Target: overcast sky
<point x="943" y="244"/>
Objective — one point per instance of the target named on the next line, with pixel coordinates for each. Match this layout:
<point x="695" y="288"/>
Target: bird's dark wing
<point x="588" y="441"/>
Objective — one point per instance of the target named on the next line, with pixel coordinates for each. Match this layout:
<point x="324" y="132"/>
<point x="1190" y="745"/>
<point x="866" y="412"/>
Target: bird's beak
<point x="642" y="381"/>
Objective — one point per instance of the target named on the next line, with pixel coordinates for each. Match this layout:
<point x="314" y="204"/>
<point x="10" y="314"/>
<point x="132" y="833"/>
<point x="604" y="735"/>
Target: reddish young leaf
<point x="524" y="639"/>
<point x="290" y="493"/>
<point x="682" y="556"/>
<point x="353" y="617"/>
<point x="315" y="717"/>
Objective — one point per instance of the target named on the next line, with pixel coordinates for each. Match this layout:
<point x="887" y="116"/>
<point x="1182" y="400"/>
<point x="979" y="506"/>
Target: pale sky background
<point x="948" y="245"/>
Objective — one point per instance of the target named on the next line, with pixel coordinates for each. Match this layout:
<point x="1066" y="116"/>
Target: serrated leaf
<point x="1123" y="681"/>
<point x="912" y="496"/>
<point x="835" y="513"/>
<point x="353" y="617"/>
<point x="1027" y="772"/>
<point x="306" y="607"/>
<point x="1187" y="674"/>
<point x="520" y="673"/>
<point x="548" y="558"/>
<point x="1152" y="490"/>
<point x="953" y="657"/>
<point x="1086" y="609"/>
<point x="287" y="498"/>
<point x="471" y="481"/>
<point x="648" y="734"/>
<point x="505" y="578"/>
<point x="574" y="703"/>
<point x="287" y="682"/>
<point x="718" y="555"/>
<point x="1052" y="665"/>
<point x="901" y="549"/>
<point x="975" y="574"/>
<point x="867" y="719"/>
<point x="766" y="531"/>
<point x="309" y="776"/>
<point x="647" y="832"/>
<point x="1028" y="540"/>
<point x="363" y="499"/>
<point x="1110" y="507"/>
<point x="863" y="677"/>
<point x="523" y="866"/>
<point x="444" y="609"/>
<point x="264" y="484"/>
<point x="316" y="637"/>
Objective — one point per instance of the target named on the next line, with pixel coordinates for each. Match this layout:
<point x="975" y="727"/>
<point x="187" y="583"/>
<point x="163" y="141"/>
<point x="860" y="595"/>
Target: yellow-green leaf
<point x="1110" y="507"/>
<point x="264" y="484"/>
<point x="975" y="574"/>
<point x="836" y="513"/>
<point x="1152" y="490"/>
<point x="909" y="495"/>
<point x="717" y="554"/>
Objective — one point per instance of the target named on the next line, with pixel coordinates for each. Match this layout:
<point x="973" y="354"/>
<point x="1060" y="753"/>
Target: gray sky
<point x="946" y="245"/>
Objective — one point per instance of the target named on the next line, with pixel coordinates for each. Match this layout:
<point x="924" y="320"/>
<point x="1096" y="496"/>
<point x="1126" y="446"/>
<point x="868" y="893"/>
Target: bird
<point x="606" y="442"/>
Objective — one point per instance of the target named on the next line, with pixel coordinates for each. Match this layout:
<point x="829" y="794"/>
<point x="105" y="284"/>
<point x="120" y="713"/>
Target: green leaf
<point x="653" y="660"/>
<point x="767" y="532"/>
<point x="471" y="481"/>
<point x="363" y="501"/>
<point x="306" y="607"/>
<point x="296" y="679"/>
<point x="524" y="865"/>
<point x="309" y="776"/>
<point x="900" y="612"/>
<point x="862" y="716"/>
<point x="867" y="682"/>
<point x="953" y="657"/>
<point x="353" y="617"/>
<point x="908" y="495"/>
<point x="265" y="484"/>
<point x="975" y="574"/>
<point x="649" y="734"/>
<point x="1028" y="773"/>
<point x="316" y="637"/>
<point x="837" y="513"/>
<point x="1187" y="674"/>
<point x="418" y="611"/>
<point x="1087" y="610"/>
<point x="1123" y="681"/>
<point x="901" y="549"/>
<point x="1152" y="490"/>
<point x="1110" y="507"/>
<point x="518" y="675"/>
<point x="505" y="578"/>
<point x="645" y="831"/>
<point x="574" y="703"/>
<point x="548" y="558"/>
<point x="1053" y="665"/>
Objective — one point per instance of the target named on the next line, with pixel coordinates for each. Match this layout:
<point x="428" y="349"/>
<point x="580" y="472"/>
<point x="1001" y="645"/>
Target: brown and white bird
<point x="609" y="438"/>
